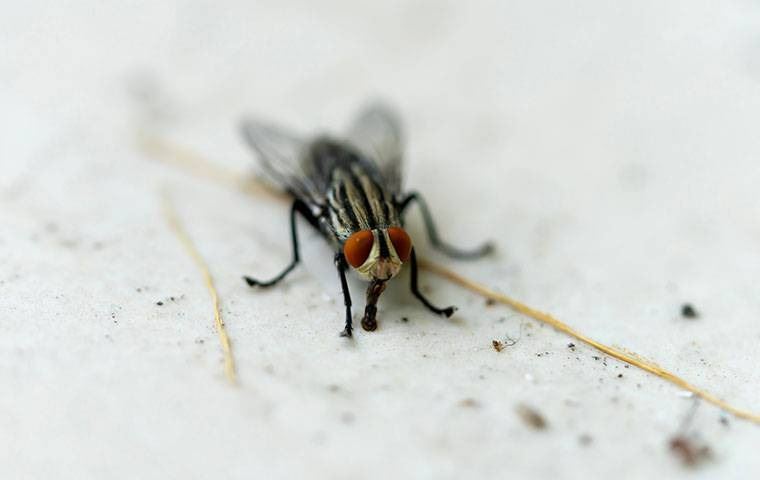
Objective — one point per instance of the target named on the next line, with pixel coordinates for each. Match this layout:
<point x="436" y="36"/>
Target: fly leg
<point x="340" y="263"/>
<point x="303" y="209"/>
<point x="447" y="312"/>
<point x="432" y="231"/>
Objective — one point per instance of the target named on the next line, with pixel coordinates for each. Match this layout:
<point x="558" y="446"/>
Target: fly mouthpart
<point x="369" y="322"/>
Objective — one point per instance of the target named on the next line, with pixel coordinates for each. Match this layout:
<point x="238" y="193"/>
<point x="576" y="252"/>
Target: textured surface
<point x="607" y="148"/>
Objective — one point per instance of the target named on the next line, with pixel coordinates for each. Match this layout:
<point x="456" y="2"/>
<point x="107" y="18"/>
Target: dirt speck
<point x="469" y="403"/>
<point x="498" y="345"/>
<point x="689" y="451"/>
<point x="531" y="417"/>
<point x="688" y="311"/>
<point x="160" y="303"/>
<point x="490" y="302"/>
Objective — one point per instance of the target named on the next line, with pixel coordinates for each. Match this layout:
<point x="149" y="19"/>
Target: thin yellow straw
<point x="193" y="163"/>
<point x="563" y="327"/>
<point x="174" y="222"/>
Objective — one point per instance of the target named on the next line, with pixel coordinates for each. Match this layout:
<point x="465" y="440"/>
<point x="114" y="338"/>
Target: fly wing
<point x="282" y="154"/>
<point x="377" y="133"/>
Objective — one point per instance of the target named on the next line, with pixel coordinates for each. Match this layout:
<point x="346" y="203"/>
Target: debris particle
<point x="531" y="417"/>
<point x="689" y="451"/>
<point x="405" y="319"/>
<point x="490" y="302"/>
<point x="469" y="403"/>
<point x="347" y="418"/>
<point x="620" y="375"/>
<point x="688" y="311"/>
<point x="497" y="345"/>
<point x="724" y="421"/>
<point x="571" y="346"/>
<point x="159" y="303"/>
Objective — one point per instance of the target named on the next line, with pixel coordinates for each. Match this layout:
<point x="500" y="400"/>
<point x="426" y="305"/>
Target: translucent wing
<point x="282" y="154"/>
<point x="377" y="133"/>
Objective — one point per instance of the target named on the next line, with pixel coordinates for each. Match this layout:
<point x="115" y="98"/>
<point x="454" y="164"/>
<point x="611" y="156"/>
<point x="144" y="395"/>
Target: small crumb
<point x="571" y="346"/>
<point x="531" y="417"/>
<point x="689" y="451"/>
<point x="620" y="375"/>
<point x="405" y="319"/>
<point x="595" y="357"/>
<point x="469" y="403"/>
<point x="585" y="439"/>
<point x="490" y="302"/>
<point x="199" y="341"/>
<point x="497" y="345"/>
<point x="688" y="311"/>
<point x="159" y="303"/>
<point x="724" y="421"/>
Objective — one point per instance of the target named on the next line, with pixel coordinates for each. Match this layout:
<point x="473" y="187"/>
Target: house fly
<point x="349" y="189"/>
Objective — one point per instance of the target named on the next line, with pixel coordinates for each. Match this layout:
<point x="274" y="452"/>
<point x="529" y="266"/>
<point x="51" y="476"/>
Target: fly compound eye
<point x="401" y="242"/>
<point x="358" y="247"/>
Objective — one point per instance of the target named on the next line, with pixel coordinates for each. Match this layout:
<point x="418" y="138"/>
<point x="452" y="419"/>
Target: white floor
<point x="610" y="149"/>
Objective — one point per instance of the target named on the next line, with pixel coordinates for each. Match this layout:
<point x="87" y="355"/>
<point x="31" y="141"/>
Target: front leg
<point x="342" y="266"/>
<point x="303" y="209"/>
<point x="432" y="231"/>
<point x="447" y="312"/>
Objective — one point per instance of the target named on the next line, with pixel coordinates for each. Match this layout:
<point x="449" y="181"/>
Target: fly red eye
<point x="358" y="247"/>
<point x="401" y="242"/>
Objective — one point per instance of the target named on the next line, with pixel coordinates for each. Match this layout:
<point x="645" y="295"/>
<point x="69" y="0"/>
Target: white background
<point x="610" y="149"/>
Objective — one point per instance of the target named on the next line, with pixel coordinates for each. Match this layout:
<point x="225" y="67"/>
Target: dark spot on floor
<point x="469" y="403"/>
<point x="688" y="311"/>
<point x="347" y="418"/>
<point x="531" y="417"/>
<point x="689" y="450"/>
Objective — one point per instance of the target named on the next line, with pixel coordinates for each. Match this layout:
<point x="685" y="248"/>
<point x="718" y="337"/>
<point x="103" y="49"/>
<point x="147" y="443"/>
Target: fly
<point x="349" y="189"/>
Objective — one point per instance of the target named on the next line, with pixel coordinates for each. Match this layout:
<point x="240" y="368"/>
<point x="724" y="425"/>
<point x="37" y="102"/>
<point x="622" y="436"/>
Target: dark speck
<point x="689" y="451"/>
<point x="531" y="417"/>
<point x="688" y="311"/>
<point x="160" y="304"/>
<point x="469" y="403"/>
